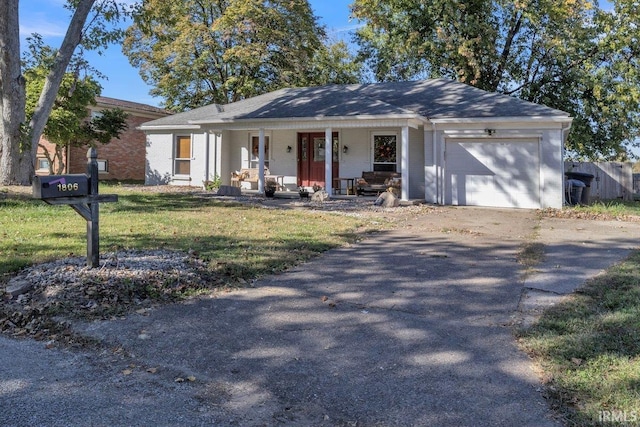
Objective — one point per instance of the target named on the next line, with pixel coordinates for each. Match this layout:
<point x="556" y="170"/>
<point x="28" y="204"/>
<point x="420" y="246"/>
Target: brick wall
<point x="125" y="156"/>
<point x="51" y="148"/>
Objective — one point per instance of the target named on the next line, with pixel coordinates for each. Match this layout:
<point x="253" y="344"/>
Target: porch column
<point x="206" y="157"/>
<point x="328" y="159"/>
<point x="404" y="162"/>
<point x="261" y="161"/>
<point x="218" y="156"/>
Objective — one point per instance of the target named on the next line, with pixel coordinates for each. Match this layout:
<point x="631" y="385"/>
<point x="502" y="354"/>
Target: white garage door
<point x="495" y="172"/>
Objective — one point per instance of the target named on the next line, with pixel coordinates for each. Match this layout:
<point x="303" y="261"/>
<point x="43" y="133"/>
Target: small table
<point x="350" y="185"/>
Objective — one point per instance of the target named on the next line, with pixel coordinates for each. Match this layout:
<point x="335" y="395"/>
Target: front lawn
<point x="241" y="241"/>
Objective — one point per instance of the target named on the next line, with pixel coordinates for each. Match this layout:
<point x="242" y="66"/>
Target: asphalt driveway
<point x="408" y="328"/>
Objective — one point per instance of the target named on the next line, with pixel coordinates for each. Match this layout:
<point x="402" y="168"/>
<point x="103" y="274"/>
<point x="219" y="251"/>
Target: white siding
<point x="159" y="167"/>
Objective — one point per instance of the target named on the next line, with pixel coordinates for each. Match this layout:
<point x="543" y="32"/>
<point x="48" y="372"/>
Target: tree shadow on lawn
<point x="143" y="202"/>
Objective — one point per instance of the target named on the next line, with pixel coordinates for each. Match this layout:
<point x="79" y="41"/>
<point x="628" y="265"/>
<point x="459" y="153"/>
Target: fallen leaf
<point x="191" y="378"/>
<point x="324" y="298"/>
<point x="179" y="380"/>
<point x="127" y="372"/>
<point x="152" y="370"/>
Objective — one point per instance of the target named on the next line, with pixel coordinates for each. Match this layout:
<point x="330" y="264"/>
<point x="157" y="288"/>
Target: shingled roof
<point x="104" y="101"/>
<point x="428" y="99"/>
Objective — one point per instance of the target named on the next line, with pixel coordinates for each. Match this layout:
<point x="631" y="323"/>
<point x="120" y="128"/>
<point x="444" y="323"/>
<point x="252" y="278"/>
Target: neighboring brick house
<point x="121" y="159"/>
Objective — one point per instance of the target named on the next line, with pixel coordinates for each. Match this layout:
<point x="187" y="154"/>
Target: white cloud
<point x="43" y="27"/>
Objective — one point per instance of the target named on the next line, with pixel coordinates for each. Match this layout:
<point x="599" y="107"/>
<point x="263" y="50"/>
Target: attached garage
<point x="493" y="172"/>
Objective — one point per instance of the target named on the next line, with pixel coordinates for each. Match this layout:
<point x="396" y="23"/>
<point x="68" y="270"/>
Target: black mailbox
<point x="57" y="186"/>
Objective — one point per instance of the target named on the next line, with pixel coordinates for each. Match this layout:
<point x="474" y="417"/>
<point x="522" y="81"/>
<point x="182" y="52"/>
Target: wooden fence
<point x="612" y="180"/>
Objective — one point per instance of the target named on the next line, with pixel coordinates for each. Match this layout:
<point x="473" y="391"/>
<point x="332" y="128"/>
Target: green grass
<point x="238" y="241"/>
<point x="589" y="348"/>
<point x="615" y="208"/>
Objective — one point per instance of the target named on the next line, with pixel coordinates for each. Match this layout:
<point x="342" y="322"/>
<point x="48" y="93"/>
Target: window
<point x="318" y="149"/>
<point x="43" y="164"/>
<point x="255" y="146"/>
<point x="103" y="166"/>
<point x="384" y="152"/>
<point x="182" y="160"/>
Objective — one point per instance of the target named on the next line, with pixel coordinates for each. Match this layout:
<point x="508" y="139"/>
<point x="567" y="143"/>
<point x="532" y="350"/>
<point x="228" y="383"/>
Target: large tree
<point x="567" y="54"/>
<point x="19" y="138"/>
<point x="69" y="123"/>
<point x="197" y="52"/>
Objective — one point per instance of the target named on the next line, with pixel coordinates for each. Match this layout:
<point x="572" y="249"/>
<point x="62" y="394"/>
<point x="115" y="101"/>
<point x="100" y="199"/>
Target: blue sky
<point x="50" y="19"/>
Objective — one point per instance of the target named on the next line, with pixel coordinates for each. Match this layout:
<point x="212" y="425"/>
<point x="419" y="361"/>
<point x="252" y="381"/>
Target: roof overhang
<point x="170" y="127"/>
<point x="391" y="120"/>
<point x="519" y="119"/>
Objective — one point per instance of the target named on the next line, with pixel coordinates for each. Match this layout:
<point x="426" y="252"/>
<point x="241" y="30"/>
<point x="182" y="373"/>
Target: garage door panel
<point x="495" y="173"/>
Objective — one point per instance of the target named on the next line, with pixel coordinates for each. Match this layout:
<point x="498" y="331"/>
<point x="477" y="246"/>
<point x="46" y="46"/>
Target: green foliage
<point x="67" y="124"/>
<point x="198" y="52"/>
<point x="213" y="184"/>
<point x="568" y="54"/>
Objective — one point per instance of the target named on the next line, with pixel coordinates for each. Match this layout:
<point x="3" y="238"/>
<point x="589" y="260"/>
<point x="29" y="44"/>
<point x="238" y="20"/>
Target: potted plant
<point x="304" y="193"/>
<point x="270" y="187"/>
<point x="213" y="184"/>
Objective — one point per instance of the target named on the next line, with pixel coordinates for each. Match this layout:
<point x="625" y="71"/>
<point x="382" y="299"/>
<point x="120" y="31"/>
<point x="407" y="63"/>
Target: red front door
<point x="312" y="149"/>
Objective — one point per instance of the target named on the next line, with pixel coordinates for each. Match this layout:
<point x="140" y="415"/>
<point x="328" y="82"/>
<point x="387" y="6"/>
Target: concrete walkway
<point x="408" y="328"/>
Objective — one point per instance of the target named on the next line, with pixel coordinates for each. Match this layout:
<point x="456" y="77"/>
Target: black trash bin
<point x="586" y="178"/>
<point x="574" y="190"/>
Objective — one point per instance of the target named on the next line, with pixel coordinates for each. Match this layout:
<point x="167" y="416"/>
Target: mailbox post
<point x="81" y="193"/>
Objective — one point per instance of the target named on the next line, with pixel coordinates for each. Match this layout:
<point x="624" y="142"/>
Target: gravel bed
<point x="124" y="281"/>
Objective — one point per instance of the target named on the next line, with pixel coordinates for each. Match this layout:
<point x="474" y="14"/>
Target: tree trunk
<point x="17" y="160"/>
<point x="72" y="39"/>
<point x="12" y="97"/>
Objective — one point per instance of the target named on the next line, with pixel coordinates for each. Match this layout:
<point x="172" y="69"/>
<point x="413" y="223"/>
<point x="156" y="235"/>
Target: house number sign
<point x="79" y="191"/>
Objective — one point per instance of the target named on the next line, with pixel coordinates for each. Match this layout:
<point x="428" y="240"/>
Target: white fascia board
<point x="520" y="119"/>
<point x="169" y="127"/>
<point x="411" y="120"/>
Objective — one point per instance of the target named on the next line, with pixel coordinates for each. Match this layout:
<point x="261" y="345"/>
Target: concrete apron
<point x="575" y="251"/>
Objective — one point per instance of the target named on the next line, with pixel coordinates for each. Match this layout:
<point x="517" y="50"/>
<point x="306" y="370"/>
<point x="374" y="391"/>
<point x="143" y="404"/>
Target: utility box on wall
<point x="58" y="186"/>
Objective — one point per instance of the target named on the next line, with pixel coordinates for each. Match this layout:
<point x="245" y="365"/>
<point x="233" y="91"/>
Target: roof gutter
<point x="537" y="119"/>
<point x="312" y="118"/>
<point x="169" y="127"/>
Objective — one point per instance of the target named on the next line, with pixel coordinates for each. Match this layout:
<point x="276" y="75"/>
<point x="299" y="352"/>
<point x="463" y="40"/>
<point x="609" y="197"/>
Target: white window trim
<point x="268" y="158"/>
<point x="175" y="155"/>
<point x="106" y="165"/>
<point x="40" y="168"/>
<point x="372" y="147"/>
